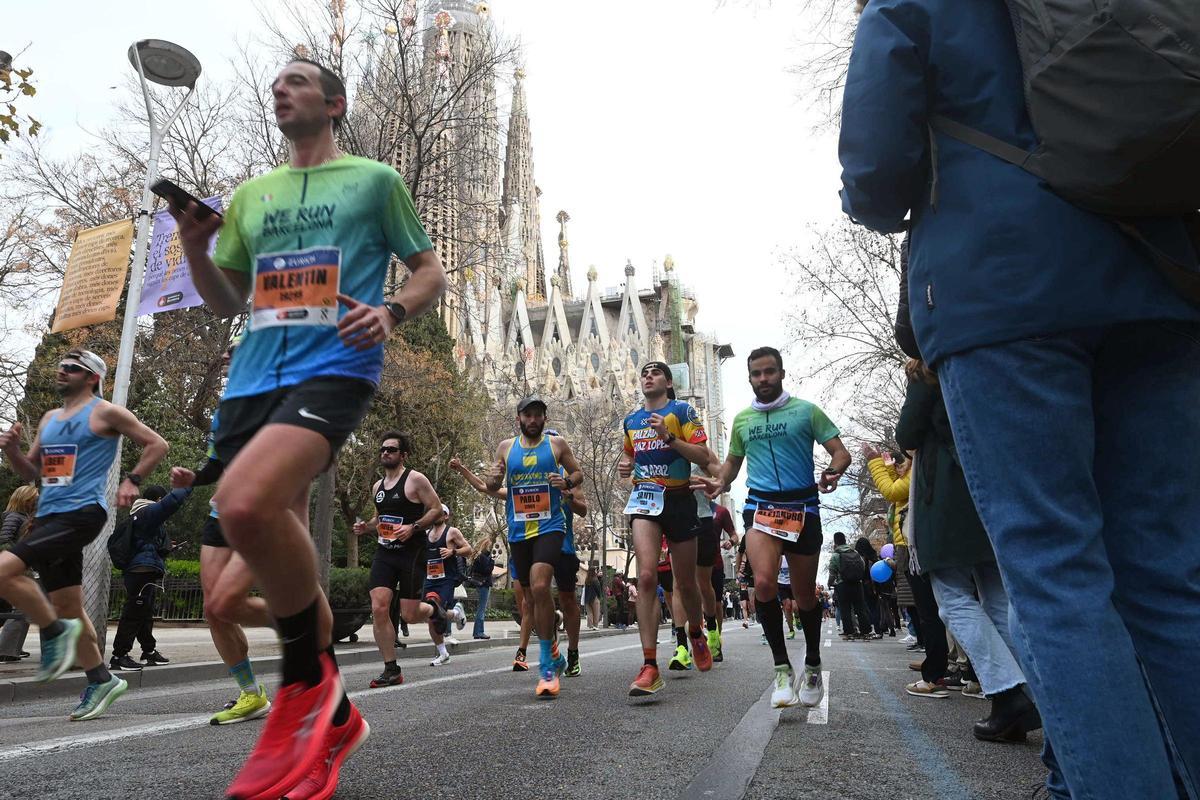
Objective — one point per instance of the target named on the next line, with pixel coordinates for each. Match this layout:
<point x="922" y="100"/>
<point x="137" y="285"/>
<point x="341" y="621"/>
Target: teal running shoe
<point x="58" y="654"/>
<point x="97" y="697"/>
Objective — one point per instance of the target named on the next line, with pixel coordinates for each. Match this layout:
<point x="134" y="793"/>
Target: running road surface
<point x="472" y="729"/>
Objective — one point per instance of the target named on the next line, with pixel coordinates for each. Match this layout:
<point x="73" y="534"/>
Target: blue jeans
<point x="1082" y="452"/>
<point x="485" y="592"/>
<point x="980" y="626"/>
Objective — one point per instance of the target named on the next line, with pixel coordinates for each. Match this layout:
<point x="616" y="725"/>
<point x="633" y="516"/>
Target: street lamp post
<point x="166" y="64"/>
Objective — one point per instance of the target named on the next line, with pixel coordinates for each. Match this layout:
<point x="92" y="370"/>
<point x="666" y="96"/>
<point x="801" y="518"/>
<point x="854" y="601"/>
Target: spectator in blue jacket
<point x="1070" y="370"/>
<point x="144" y="575"/>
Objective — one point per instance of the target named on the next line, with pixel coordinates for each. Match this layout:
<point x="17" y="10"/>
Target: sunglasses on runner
<point x="389" y="450"/>
<point x="73" y="368"/>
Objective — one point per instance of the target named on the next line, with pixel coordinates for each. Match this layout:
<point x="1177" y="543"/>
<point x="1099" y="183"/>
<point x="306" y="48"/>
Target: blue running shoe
<point x="97" y="697"/>
<point x="58" y="654"/>
<point x="559" y="665"/>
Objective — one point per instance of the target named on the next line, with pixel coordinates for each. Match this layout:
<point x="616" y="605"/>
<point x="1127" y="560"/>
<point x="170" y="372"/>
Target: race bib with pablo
<point x="531" y="502"/>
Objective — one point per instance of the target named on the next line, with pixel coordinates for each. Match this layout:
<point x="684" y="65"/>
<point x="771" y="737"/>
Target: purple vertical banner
<point x="167" y="285"/>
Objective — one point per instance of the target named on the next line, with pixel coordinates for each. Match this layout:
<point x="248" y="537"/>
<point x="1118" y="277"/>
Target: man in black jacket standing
<point x="142" y="576"/>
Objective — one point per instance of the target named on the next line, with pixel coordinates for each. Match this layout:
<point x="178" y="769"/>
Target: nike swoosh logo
<point x="304" y="412"/>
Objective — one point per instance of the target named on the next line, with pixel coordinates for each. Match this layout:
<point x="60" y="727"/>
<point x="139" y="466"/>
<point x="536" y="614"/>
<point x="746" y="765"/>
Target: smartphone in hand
<point x="168" y="190"/>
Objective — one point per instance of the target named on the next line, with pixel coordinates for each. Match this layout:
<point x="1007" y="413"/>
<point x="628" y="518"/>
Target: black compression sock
<point x="391" y="666"/>
<point x="572" y="655"/>
<point x="710" y="622"/>
<point x="520" y="651"/>
<point x="99" y="674"/>
<point x="680" y="638"/>
<point x="343" y="710"/>
<point x="811" y="622"/>
<point x="50" y="631"/>
<point x="770" y="614"/>
<point x="298" y="635"/>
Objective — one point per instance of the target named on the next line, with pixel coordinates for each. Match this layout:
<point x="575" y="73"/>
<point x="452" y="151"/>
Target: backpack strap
<point x="986" y="142"/>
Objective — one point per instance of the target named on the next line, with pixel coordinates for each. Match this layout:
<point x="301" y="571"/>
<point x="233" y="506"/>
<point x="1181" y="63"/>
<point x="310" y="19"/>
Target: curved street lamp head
<point x="165" y="63"/>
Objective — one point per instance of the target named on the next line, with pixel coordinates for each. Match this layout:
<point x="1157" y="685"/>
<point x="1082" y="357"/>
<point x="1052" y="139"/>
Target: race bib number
<point x="434" y="569"/>
<point x="297" y="288"/>
<point x="58" y="464"/>
<point x="389" y="529"/>
<point x="647" y="499"/>
<point x="784" y="520"/>
<point x="531" y="502"/>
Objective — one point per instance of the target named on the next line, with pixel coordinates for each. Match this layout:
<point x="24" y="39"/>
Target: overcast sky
<point x="661" y="126"/>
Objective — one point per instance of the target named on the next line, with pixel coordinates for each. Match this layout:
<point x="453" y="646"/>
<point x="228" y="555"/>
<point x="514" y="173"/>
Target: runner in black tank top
<point x="407" y="507"/>
<point x="443" y="546"/>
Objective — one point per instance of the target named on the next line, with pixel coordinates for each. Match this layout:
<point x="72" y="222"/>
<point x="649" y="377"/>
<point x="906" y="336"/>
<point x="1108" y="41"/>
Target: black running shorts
<point x="566" y="572"/>
<point x="402" y="570"/>
<point x="212" y="536"/>
<point x="678" y="520"/>
<point x="708" y="542"/>
<point x="55" y="542"/>
<point x="545" y="548"/>
<point x="666" y="579"/>
<point x="330" y="406"/>
<point x="809" y="543"/>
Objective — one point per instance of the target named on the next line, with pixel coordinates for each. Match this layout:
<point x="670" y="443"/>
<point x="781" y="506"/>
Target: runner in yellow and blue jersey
<point x="536" y="468"/>
<point x="663" y="439"/>
<point x="226" y="581"/>
<point x="777" y="435"/>
<point x="566" y="573"/>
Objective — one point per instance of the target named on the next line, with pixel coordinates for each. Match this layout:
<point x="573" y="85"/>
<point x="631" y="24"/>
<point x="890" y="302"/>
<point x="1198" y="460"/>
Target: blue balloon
<point x="881" y="572"/>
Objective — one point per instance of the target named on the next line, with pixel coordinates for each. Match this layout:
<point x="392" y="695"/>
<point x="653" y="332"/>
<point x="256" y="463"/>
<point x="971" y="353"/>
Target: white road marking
<point x="819" y="715"/>
<point x="15" y="752"/>
<point x="829" y="642"/>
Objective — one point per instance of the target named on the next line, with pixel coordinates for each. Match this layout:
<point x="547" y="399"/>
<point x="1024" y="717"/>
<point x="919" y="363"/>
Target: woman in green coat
<point x="952" y="547"/>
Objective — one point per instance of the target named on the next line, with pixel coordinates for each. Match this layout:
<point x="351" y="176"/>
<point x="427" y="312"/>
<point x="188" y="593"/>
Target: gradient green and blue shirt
<point x="778" y="445"/>
<point x="303" y="235"/>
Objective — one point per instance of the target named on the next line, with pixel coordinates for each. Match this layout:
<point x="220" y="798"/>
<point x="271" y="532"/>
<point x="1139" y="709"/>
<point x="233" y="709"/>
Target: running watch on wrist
<point x="397" y="311"/>
<point x="671" y="437"/>
<point x="133" y="478"/>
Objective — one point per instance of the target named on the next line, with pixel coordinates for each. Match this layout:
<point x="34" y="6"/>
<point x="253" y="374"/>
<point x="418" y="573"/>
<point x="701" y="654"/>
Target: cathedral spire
<point x="521" y="193"/>
<point x="564" y="263"/>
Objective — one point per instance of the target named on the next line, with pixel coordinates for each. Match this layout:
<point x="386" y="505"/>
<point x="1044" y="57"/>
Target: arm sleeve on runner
<point x="231" y="252"/>
<point x="401" y="226"/>
<point x="209" y="473"/>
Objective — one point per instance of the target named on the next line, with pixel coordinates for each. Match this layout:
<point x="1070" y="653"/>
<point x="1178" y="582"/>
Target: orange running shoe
<point x="548" y="685"/>
<point x="648" y="682"/>
<point x="701" y="655"/>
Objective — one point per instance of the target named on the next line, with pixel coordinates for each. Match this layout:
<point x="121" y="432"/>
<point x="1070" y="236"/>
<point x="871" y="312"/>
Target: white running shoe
<point x="440" y="660"/>
<point x="459" y="614"/>
<point x="813" y="687"/>
<point x="450" y="640"/>
<point x="909" y="639"/>
<point x="784" y="695"/>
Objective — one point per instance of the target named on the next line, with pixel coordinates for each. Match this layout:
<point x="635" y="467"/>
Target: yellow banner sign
<point x="95" y="276"/>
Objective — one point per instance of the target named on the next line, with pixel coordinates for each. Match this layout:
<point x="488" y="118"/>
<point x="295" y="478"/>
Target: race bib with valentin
<point x="531" y="502"/>
<point x="296" y="288"/>
<point x="58" y="464"/>
<point x="389" y="530"/>
<point x="784" y="520"/>
<point x="646" y="499"/>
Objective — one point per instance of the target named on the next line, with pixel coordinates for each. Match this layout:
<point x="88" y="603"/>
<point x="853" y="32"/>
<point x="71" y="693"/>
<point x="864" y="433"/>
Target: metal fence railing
<point x="180" y="599"/>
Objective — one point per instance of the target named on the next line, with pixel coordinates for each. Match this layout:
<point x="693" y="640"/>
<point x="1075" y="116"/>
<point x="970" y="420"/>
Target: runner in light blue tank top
<point x="75" y="463"/>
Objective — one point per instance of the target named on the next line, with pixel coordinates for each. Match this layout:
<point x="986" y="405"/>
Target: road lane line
<point x="820" y="714"/>
<point x="730" y="772"/>
<point x="829" y="642"/>
<point x="16" y="752"/>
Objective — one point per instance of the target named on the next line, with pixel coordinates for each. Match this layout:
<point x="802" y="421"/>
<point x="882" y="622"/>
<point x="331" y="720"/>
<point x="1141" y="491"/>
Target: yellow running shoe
<point x="249" y="705"/>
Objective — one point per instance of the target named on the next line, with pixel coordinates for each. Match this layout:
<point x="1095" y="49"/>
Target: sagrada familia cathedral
<point x="521" y="325"/>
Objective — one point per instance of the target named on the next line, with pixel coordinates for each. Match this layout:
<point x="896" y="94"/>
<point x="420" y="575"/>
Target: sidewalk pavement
<point x="193" y="657"/>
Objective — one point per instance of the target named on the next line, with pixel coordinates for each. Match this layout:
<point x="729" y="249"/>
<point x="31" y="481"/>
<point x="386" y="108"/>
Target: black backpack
<point x="1113" y="92"/>
<point x="853" y="568"/>
<point x="121" y="544"/>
